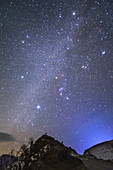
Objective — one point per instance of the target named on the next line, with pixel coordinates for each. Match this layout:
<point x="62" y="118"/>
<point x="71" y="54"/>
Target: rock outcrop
<point x="102" y="151"/>
<point x="47" y="154"/>
<point x="5" y="160"/>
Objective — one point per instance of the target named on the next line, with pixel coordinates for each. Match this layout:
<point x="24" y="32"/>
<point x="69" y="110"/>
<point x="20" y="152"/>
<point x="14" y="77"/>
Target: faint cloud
<point x="6" y="137"/>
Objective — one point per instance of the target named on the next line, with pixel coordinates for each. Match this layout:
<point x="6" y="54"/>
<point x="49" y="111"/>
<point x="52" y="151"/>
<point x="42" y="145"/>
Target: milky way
<point x="56" y="71"/>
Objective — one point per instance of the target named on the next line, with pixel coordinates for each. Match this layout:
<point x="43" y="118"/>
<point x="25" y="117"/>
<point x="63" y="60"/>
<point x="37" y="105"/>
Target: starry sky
<point x="56" y="71"/>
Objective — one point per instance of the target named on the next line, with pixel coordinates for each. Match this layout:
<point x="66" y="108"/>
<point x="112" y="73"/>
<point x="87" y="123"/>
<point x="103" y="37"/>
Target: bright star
<point x="67" y="48"/>
<point x="67" y="98"/>
<point x="56" y="77"/>
<point x="60" y="16"/>
<point x="60" y="93"/>
<point x="38" y="107"/>
<point x="22" y="77"/>
<point x="27" y="36"/>
<point x="74" y="13"/>
<point x="103" y="52"/>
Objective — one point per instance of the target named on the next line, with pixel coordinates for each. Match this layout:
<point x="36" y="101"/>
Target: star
<point x="103" y="52"/>
<point x="56" y="77"/>
<point x="60" y="16"/>
<point x="22" y="77"/>
<point x="38" y="107"/>
<point x="23" y="41"/>
<point x="74" y="13"/>
<point x="67" y="98"/>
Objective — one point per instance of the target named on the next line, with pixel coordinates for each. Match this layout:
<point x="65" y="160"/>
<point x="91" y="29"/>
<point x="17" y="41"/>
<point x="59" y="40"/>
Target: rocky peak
<point x="47" y="154"/>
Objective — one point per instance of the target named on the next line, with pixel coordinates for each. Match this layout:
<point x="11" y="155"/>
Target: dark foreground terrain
<point x="46" y="153"/>
<point x="5" y="160"/>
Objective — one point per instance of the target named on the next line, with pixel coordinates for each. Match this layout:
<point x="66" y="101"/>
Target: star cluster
<point x="56" y="70"/>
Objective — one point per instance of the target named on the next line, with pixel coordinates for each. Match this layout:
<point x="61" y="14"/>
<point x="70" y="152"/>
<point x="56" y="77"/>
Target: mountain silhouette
<point x="46" y="153"/>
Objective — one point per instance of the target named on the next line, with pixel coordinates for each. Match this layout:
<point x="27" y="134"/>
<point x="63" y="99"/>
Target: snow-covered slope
<point x="101" y="151"/>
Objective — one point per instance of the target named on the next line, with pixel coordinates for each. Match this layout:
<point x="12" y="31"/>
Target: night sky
<point x="56" y="71"/>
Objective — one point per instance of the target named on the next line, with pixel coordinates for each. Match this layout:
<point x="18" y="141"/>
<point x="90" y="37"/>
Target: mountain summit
<point x="47" y="154"/>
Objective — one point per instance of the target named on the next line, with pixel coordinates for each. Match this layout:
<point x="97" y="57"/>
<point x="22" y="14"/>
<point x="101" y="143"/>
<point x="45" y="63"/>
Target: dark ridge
<point x="47" y="154"/>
